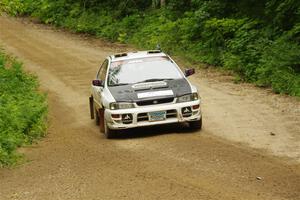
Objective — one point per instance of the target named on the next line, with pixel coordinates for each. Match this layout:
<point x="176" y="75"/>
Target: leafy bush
<point x="22" y="112"/>
<point x="244" y="49"/>
<point x="16" y="7"/>
<point x="278" y="66"/>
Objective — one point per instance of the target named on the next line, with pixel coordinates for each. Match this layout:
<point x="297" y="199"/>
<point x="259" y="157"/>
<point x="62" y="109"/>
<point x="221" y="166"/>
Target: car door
<point x="101" y="75"/>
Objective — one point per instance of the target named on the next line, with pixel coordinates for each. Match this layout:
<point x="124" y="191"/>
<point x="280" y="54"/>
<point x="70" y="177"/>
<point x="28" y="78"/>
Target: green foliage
<point x="216" y="36"/>
<point x="283" y="13"/>
<point x="22" y="112"/>
<point x="279" y="65"/>
<point x="16" y="7"/>
<point x="244" y="49"/>
<point x="51" y="12"/>
<point x="257" y="39"/>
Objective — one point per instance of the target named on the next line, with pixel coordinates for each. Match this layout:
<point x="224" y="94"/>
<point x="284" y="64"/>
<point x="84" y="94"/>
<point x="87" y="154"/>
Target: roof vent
<point x="154" y="51"/>
<point x="120" y="55"/>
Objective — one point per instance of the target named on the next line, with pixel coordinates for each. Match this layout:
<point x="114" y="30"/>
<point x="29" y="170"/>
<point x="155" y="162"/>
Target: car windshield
<point x="142" y="70"/>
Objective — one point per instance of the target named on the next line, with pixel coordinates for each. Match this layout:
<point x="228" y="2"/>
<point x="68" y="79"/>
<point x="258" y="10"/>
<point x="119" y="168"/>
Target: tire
<point x="92" y="110"/>
<point x="101" y="120"/>
<point x="109" y="134"/>
<point x="196" y="125"/>
<point x="97" y="119"/>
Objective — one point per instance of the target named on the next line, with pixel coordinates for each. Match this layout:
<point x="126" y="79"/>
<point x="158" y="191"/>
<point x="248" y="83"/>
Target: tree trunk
<point x="157" y="3"/>
<point x="154" y="3"/>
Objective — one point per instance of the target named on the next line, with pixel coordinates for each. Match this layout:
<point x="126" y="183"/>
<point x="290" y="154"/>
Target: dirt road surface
<point x="249" y="147"/>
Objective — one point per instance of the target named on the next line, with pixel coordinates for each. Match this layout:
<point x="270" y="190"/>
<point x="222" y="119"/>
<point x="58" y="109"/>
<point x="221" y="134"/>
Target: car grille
<point x="154" y="102"/>
<point x="144" y="116"/>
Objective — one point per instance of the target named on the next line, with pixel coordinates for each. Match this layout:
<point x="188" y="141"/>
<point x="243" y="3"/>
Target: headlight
<point x="188" y="97"/>
<point x="117" y="106"/>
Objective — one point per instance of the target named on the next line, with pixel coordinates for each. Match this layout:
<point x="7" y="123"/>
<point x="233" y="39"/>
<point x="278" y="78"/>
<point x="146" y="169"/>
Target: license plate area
<point x="157" y="116"/>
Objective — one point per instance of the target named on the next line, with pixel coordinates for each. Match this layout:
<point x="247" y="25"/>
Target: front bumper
<point x="140" y="115"/>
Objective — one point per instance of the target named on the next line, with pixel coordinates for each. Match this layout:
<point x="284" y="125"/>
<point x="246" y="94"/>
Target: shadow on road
<point x="151" y="131"/>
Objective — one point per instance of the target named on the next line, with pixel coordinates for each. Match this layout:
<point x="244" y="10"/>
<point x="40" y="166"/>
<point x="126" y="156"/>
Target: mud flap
<point x="92" y="107"/>
<point x="101" y="120"/>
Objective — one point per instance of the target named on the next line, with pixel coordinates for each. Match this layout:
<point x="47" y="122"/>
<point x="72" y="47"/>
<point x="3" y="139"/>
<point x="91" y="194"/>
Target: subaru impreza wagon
<point x="144" y="88"/>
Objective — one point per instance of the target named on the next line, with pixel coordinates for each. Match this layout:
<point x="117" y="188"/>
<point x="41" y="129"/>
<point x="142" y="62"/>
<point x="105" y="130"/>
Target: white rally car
<point x="143" y="88"/>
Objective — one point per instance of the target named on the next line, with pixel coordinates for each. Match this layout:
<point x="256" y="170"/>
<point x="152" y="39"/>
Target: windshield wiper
<point x="155" y="80"/>
<point x="119" y="84"/>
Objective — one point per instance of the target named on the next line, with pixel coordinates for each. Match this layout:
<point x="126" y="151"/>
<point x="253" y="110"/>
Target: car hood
<point x="150" y="90"/>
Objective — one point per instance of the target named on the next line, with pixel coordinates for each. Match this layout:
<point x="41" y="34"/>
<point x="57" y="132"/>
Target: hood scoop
<point x="149" y="85"/>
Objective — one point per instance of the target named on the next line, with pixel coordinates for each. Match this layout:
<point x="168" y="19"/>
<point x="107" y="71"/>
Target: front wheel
<point x="196" y="125"/>
<point x="101" y="120"/>
<point x="109" y="133"/>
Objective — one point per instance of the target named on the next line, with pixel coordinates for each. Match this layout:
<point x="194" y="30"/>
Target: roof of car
<point x="136" y="55"/>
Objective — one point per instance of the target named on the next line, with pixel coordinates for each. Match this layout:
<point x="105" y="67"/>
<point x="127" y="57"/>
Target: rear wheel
<point x="97" y="118"/>
<point x="101" y="120"/>
<point x="92" y="111"/>
<point x="196" y="125"/>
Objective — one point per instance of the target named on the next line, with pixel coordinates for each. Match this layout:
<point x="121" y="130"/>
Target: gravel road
<point x="249" y="147"/>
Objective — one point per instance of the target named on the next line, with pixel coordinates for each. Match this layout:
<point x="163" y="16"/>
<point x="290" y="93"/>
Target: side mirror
<point x="189" y="72"/>
<point x="98" y="83"/>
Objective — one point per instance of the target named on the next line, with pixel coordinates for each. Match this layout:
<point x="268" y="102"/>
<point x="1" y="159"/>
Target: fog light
<point x="195" y="107"/>
<point x="127" y="118"/>
<point x="186" y="110"/>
